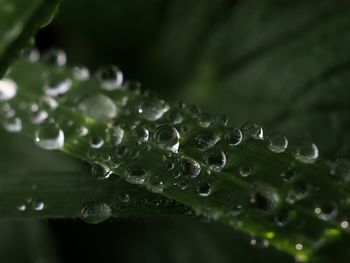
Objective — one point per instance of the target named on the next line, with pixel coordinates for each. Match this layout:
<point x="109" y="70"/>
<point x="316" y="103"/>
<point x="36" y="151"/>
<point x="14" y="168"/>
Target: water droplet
<point x="31" y="54"/>
<point x="116" y="135"/>
<point x="81" y="73"/>
<point x="167" y="137"/>
<point x="96" y="213"/>
<point x="216" y="160"/>
<point x="38" y="206"/>
<point x="326" y="211"/>
<point x="298" y="192"/>
<point x="8" y="89"/>
<point x="136" y="175"/>
<point x="55" y="57"/>
<point x="233" y="136"/>
<point x="100" y="172"/>
<point x="264" y="198"/>
<point x="96" y="142"/>
<point x="190" y="167"/>
<point x="22" y="207"/>
<point x="299" y="246"/>
<point x="306" y="153"/>
<point x="277" y="143"/>
<point x="288" y="174"/>
<point x="175" y="118"/>
<point x="82" y="131"/>
<point x="253" y="130"/>
<point x="152" y="109"/>
<point x="344" y="224"/>
<point x="12" y="124"/>
<point x="206" y="140"/>
<point x="204" y="190"/>
<point x="245" y="170"/>
<point x="141" y="133"/>
<point x="98" y="107"/>
<point x="49" y="136"/>
<point x="110" y="77"/>
<point x="204" y="120"/>
<point x="57" y="84"/>
<point x="39" y="116"/>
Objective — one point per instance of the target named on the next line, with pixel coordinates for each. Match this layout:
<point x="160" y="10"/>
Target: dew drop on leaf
<point x="136" y="175"/>
<point x="55" y="57"/>
<point x="306" y="153"/>
<point x="141" y="133"/>
<point x="167" y="137"/>
<point x="98" y="107"/>
<point x="326" y="211"/>
<point x="206" y="140"/>
<point x="96" y="142"/>
<point x="95" y="213"/>
<point x="215" y="159"/>
<point x="49" y="136"/>
<point x="116" y="135"/>
<point x="233" y="136"/>
<point x="245" y="170"/>
<point x="81" y="73"/>
<point x="277" y="143"/>
<point x="8" y="89"/>
<point x="100" y="172"/>
<point x="204" y="190"/>
<point x="190" y="167"/>
<point x="152" y="109"/>
<point x="253" y="130"/>
<point x="110" y="77"/>
<point x="57" y="84"/>
<point x="12" y="124"/>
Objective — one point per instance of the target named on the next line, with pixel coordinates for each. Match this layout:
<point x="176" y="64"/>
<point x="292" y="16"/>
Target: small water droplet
<point x="306" y="153"/>
<point x="233" y="136"/>
<point x="152" y="109"/>
<point x="277" y="143"/>
<point x="245" y="170"/>
<point x="22" y="207"/>
<point x="81" y="73"/>
<point x="206" y="140"/>
<point x="38" y="206"/>
<point x="39" y="116"/>
<point x="49" y="136"/>
<point x="31" y="54"/>
<point x="98" y="107"/>
<point x="264" y="198"/>
<point x="141" y="133"/>
<point x="56" y="84"/>
<point x="190" y="167"/>
<point x="100" y="172"/>
<point x="204" y="120"/>
<point x="216" y="160"/>
<point x="116" y="135"/>
<point x="204" y="190"/>
<point x="96" y="213"/>
<point x="167" y="137"/>
<point x="136" y="175"/>
<point x="12" y="124"/>
<point x="110" y="77"/>
<point x="8" y="89"/>
<point x="96" y="142"/>
<point x="55" y="57"/>
<point x="253" y="130"/>
<point x="326" y="211"/>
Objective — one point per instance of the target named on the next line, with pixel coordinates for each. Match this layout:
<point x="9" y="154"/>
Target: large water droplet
<point x="253" y="130"/>
<point x="206" y="140"/>
<point x="152" y="109"/>
<point x="216" y="160"/>
<point x="96" y="213"/>
<point x="8" y="89"/>
<point x="277" y="143"/>
<point x="110" y="77"/>
<point x="190" y="167"/>
<point x="233" y="136"/>
<point x="98" y="107"/>
<point x="306" y="153"/>
<point x="49" y="136"/>
<point x="167" y="137"/>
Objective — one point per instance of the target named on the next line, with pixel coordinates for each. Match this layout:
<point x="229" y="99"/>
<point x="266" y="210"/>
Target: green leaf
<point x="19" y="21"/>
<point x="298" y="204"/>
